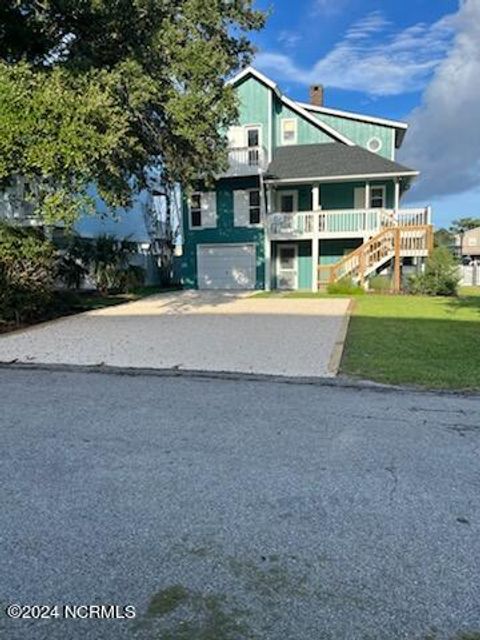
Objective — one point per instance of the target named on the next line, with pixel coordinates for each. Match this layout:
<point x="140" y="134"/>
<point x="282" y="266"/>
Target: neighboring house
<point x="311" y="195"/>
<point x="468" y="244"/>
<point x="153" y="222"/>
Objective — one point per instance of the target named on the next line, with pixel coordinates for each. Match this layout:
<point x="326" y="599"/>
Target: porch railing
<point x="244" y="161"/>
<point x="342" y="222"/>
<point x="291" y="224"/>
<point x="393" y="242"/>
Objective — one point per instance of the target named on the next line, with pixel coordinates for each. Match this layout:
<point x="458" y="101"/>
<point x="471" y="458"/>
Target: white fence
<point x="470" y="275"/>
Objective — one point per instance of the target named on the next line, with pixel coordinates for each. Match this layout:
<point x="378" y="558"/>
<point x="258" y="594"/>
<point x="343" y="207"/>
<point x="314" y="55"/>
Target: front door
<point x="287" y="267"/>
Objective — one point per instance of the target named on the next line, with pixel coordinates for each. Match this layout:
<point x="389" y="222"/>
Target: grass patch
<point x="300" y="294"/>
<point x="432" y="342"/>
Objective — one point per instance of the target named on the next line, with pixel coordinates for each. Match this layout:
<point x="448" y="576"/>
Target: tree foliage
<point x="97" y="90"/>
<point x="464" y="224"/>
<point x="441" y="276"/>
<point x="27" y="273"/>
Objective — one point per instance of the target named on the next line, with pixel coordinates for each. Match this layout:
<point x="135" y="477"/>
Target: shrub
<point x="380" y="284"/>
<point x="27" y="273"/>
<point x="110" y="262"/>
<point x="345" y="286"/>
<point x="441" y="277"/>
<point x="133" y="277"/>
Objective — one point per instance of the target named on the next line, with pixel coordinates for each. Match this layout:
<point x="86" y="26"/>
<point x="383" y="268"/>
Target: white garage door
<point x="226" y="266"/>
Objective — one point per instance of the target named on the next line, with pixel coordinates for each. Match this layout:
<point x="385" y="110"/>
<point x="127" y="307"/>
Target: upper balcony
<point x="342" y="223"/>
<point x="246" y="161"/>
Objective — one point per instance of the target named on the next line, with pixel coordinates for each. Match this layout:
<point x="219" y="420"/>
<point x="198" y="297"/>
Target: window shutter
<point x="241" y="207"/>
<point x="209" y="209"/>
<point x="236" y="137"/>
<point x="359" y="198"/>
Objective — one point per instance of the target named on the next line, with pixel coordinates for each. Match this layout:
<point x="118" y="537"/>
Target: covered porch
<point x="345" y="196"/>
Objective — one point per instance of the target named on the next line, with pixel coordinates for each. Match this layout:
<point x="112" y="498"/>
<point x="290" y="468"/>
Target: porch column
<point x="316" y="234"/>
<point x="396" y="204"/>
<point x="267" y="249"/>
<point x="367" y="195"/>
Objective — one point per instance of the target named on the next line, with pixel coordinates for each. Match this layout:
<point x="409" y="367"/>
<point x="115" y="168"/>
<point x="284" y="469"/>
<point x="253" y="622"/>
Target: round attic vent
<point x="374" y="145"/>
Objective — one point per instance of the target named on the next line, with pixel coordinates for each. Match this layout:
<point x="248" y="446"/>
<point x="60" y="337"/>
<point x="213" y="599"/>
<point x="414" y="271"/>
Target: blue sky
<point x="415" y="60"/>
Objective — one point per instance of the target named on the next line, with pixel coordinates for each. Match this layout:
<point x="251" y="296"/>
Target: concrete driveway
<point x="201" y="331"/>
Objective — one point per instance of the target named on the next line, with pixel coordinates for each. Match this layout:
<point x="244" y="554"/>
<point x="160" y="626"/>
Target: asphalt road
<point x="227" y="510"/>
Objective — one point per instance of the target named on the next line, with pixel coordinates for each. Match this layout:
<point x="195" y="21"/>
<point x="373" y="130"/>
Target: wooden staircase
<point x="391" y="243"/>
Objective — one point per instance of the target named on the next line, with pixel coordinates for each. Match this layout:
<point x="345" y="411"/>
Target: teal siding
<point x="361" y="132"/>
<point x="305" y="265"/>
<point x="307" y="133"/>
<point x="336" y="195"/>
<point x="331" y="251"/>
<point x="341" y="195"/>
<point x="304" y="196"/>
<point x="225" y="233"/>
<point x="254" y="106"/>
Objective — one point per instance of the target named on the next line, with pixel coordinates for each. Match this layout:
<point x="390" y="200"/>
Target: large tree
<point x="98" y="90"/>
<point x="461" y="225"/>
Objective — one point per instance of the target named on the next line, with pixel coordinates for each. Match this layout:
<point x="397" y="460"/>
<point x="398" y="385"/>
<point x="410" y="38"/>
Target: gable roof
<point x="400" y="127"/>
<point x="330" y="162"/>
<point x="291" y="104"/>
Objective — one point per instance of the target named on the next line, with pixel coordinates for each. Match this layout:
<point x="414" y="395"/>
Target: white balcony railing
<point x="342" y="222"/>
<point x="291" y="224"/>
<point x="246" y="161"/>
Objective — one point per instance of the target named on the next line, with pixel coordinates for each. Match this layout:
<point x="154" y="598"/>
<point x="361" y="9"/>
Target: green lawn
<point x="433" y="342"/>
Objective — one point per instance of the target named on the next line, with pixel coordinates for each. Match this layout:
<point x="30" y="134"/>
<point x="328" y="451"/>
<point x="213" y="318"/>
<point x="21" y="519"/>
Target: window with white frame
<point x="288" y="201"/>
<point x="253" y="144"/>
<point x="289" y="131"/>
<point x="254" y="206"/>
<point x="377" y="197"/>
<point x="196" y="210"/>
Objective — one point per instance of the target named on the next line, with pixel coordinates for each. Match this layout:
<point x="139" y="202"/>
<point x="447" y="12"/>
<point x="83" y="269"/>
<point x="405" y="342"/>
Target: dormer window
<point x="289" y="131"/>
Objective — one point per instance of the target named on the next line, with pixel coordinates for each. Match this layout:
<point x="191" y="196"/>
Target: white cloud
<point x="444" y="138"/>
<point x="372" y="58"/>
<point x="328" y="7"/>
<point x="288" y="38"/>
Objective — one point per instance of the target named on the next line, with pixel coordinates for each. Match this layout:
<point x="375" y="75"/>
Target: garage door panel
<point x="226" y="266"/>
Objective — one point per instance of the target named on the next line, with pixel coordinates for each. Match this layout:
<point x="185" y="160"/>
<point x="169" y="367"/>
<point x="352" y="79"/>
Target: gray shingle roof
<point x="328" y="160"/>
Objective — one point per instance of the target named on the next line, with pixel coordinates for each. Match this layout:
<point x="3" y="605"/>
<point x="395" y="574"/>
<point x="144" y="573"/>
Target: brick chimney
<point x="316" y="95"/>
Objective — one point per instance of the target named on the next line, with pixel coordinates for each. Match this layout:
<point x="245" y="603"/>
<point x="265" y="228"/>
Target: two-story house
<point x="311" y="195"/>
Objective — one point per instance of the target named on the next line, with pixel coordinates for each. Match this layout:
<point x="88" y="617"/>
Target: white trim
<point x="189" y="204"/>
<point x="280" y="246"/>
<point x="294" y="106"/>
<point x="294" y="193"/>
<point x="260" y="223"/>
<point x="318" y="123"/>
<point x="283" y="121"/>
<point x="205" y="196"/>
<point x="371" y="176"/>
<point x="354" y="116"/>
<point x="270" y="127"/>
<point x="251" y="71"/>
<point x="247" y="127"/>
<point x="393" y="143"/>
<point x="396" y="204"/>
